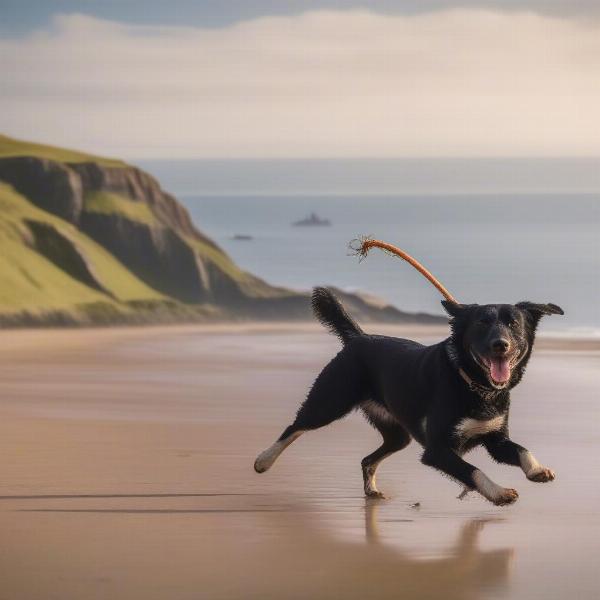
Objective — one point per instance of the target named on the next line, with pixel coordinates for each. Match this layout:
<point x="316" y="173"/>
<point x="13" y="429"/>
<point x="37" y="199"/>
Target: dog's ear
<point x="454" y="309"/>
<point x="539" y="310"/>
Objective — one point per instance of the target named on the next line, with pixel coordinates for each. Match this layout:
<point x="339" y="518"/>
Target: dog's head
<point x="494" y="341"/>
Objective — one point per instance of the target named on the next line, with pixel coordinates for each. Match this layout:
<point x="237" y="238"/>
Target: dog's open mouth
<point x="498" y="368"/>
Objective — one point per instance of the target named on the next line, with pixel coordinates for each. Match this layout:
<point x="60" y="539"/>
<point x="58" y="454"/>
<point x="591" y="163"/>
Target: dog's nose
<point x="500" y="346"/>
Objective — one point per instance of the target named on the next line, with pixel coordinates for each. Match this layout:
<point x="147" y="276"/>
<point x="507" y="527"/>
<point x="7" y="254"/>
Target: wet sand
<point x="126" y="472"/>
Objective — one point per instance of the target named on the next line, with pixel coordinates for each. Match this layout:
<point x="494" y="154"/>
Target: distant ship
<point x="242" y="237"/>
<point x="313" y="220"/>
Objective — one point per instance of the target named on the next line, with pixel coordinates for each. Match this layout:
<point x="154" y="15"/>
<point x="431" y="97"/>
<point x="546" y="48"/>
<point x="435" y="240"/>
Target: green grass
<point x="217" y="257"/>
<point x="30" y="282"/>
<point x="107" y="203"/>
<point x="113" y="204"/>
<point x="83" y="282"/>
<point x="9" y="147"/>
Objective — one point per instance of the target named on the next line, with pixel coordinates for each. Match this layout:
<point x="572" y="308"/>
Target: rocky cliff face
<point x="165" y="251"/>
<point x="60" y="188"/>
<point x="124" y="210"/>
<point x="132" y="183"/>
<point x="50" y="185"/>
<point x="156" y="254"/>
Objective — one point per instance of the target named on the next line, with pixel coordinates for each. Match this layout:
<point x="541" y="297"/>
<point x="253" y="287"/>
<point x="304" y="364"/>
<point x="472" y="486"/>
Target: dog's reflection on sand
<point x="245" y="547"/>
<point x="308" y="561"/>
<point x="463" y="567"/>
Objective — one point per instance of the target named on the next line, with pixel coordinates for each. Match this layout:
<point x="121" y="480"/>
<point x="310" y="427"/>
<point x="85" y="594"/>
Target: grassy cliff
<point x="10" y="148"/>
<point x="47" y="266"/>
<point x="90" y="240"/>
<point x="107" y="203"/>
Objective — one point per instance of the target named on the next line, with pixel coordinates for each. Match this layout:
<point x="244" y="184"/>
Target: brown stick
<point x="368" y="243"/>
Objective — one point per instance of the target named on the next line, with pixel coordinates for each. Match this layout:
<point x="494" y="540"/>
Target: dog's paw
<point x="495" y="493"/>
<point x="505" y="496"/>
<point x="263" y="462"/>
<point x="375" y="494"/>
<point x="541" y="475"/>
<point x="259" y="467"/>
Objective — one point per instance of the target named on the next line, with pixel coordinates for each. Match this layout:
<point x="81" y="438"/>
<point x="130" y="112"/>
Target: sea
<point x="490" y="231"/>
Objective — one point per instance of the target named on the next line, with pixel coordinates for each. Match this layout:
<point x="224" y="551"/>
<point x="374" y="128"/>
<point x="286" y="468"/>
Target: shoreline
<point x="43" y="338"/>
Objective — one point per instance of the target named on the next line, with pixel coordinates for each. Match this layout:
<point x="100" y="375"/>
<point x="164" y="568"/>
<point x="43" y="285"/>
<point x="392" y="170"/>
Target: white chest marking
<point x="469" y="428"/>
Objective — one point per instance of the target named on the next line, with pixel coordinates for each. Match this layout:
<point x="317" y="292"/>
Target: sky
<point x="291" y="79"/>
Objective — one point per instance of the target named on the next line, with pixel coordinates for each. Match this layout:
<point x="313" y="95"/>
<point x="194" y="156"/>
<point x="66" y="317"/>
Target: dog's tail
<point x="331" y="314"/>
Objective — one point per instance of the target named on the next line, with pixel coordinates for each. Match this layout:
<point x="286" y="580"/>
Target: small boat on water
<point x="242" y="237"/>
<point x="313" y="220"/>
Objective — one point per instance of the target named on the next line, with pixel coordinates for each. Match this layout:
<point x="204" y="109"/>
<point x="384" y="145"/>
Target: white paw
<point x="493" y="492"/>
<point x="375" y="494"/>
<point x="264" y="461"/>
<point x="260" y="466"/>
<point x="505" y="496"/>
<point x="541" y="474"/>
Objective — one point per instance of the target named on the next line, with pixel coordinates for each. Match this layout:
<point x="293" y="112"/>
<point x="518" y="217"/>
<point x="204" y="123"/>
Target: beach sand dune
<point x="126" y="472"/>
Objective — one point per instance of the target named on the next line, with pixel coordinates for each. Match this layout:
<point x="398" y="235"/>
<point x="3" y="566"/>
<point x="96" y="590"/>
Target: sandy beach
<point x="126" y="473"/>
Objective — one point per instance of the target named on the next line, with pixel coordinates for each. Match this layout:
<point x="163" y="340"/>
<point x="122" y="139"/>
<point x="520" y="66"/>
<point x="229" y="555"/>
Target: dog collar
<point x="483" y="391"/>
<point x="480" y="390"/>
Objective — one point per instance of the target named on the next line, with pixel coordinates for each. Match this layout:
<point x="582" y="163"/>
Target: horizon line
<point x="371" y="158"/>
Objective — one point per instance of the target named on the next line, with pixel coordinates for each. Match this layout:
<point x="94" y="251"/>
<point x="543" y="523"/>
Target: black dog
<point x="450" y="397"/>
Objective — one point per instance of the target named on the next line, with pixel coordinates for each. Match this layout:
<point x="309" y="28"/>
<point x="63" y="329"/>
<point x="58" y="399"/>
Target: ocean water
<point x="483" y="247"/>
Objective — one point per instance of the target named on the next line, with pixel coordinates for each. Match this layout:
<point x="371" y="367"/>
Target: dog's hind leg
<point x="395" y="438"/>
<point x="264" y="461"/>
<point x="337" y="390"/>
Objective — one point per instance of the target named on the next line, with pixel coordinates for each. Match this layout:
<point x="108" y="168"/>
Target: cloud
<point x="326" y="83"/>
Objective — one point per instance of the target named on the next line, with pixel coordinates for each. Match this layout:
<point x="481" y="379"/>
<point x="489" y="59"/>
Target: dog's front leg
<point x="502" y="449"/>
<point x="446" y="460"/>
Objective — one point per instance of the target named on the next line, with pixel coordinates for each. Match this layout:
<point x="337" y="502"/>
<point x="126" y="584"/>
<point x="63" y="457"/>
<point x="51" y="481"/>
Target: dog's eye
<point x="513" y="323"/>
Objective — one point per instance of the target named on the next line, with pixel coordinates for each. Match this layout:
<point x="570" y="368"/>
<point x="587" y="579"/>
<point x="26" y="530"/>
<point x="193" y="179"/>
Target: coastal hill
<point x="90" y="240"/>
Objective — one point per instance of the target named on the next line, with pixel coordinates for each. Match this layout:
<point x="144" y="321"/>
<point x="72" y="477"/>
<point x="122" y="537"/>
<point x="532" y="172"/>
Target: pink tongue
<point x="500" y="369"/>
